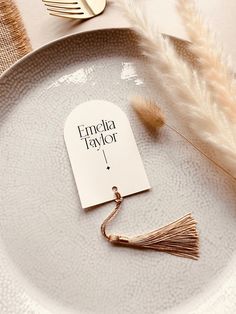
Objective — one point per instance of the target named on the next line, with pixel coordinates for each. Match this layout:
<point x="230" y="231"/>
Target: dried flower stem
<point x="153" y="118"/>
<point x="214" y="67"/>
<point x="188" y="91"/>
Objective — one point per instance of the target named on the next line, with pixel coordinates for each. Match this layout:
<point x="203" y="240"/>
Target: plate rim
<point x="58" y="40"/>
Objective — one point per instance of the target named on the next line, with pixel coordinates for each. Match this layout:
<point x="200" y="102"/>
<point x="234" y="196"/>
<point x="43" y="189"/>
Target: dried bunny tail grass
<point x="148" y="112"/>
<point x="214" y="67"/>
<point x="188" y="91"/>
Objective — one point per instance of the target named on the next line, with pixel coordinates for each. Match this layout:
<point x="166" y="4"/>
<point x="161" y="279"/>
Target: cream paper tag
<point x="103" y="153"/>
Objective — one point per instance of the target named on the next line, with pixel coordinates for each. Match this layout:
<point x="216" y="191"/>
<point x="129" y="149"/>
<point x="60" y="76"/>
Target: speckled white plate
<point x="52" y="256"/>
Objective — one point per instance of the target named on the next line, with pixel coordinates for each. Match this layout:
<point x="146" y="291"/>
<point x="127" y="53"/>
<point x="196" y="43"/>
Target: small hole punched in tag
<point x="103" y="152"/>
<point x="107" y="166"/>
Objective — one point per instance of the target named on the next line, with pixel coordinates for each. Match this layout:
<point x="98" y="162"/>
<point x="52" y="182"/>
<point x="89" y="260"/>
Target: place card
<point x="103" y="153"/>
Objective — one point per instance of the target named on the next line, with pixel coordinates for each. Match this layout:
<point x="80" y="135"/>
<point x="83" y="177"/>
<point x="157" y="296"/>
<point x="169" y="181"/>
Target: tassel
<point x="179" y="238"/>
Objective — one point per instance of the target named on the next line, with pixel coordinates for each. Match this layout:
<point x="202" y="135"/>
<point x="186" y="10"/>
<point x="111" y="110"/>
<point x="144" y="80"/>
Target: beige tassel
<point x="178" y="238"/>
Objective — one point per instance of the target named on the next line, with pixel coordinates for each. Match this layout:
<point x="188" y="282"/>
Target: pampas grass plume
<point x="149" y="113"/>
<point x="189" y="92"/>
<point x="214" y="66"/>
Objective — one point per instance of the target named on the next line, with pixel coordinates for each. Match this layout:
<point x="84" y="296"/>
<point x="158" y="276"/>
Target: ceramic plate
<point x="53" y="258"/>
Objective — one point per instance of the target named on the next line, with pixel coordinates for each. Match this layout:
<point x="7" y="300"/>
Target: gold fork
<point x="80" y="9"/>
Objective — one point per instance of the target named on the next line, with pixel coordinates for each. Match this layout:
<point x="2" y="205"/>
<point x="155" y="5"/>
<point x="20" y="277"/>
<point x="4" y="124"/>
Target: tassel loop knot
<point x="118" y="197"/>
<point x="115" y="239"/>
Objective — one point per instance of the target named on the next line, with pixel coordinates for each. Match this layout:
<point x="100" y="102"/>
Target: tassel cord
<point x="118" y="200"/>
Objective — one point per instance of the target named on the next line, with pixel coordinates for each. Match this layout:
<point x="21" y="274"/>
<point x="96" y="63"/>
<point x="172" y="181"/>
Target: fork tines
<point x="68" y="9"/>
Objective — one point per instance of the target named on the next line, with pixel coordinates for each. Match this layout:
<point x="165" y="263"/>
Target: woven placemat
<point x="14" y="42"/>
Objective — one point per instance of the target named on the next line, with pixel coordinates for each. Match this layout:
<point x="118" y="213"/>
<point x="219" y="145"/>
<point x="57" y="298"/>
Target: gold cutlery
<point x="80" y="9"/>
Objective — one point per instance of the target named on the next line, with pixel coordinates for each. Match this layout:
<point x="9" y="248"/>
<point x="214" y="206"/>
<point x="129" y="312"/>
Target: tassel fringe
<point x="178" y="238"/>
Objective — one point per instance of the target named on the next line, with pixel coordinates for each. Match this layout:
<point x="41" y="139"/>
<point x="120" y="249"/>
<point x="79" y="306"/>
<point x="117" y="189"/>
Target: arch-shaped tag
<point x="103" y="152"/>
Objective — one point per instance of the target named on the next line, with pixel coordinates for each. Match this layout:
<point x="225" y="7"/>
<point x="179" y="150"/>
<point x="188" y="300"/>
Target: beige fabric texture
<point x="14" y="42"/>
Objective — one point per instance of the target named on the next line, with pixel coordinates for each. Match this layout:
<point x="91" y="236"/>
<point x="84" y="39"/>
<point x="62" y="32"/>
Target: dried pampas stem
<point x="179" y="238"/>
<point x="188" y="91"/>
<point x="213" y="65"/>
